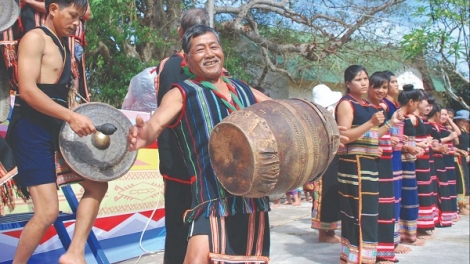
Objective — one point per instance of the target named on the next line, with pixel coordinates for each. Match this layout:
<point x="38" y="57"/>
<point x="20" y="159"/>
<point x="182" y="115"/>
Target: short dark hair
<point x="195" y="16"/>
<point x="377" y="79"/>
<point x="82" y="4"/>
<point x="196" y="31"/>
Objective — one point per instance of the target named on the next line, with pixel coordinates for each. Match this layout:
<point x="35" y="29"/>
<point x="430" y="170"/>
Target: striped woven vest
<point x="202" y="110"/>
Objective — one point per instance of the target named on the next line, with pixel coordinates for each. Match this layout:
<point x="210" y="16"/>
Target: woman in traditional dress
<point x="378" y="89"/>
<point x="325" y="207"/>
<point x="461" y="119"/>
<point x="396" y="136"/>
<point x="427" y="209"/>
<point x="444" y="206"/>
<point x="409" y="100"/>
<point x="432" y="168"/>
<point x="449" y="133"/>
<point x="357" y="169"/>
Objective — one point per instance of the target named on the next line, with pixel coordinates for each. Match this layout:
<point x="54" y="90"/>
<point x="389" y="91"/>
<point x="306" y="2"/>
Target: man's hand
<point x="138" y="134"/>
<point x="81" y="125"/>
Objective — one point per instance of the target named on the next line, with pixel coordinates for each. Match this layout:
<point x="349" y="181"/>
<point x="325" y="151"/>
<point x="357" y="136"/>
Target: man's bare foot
<point x="287" y="202"/>
<point x="297" y="203"/>
<point x="274" y="205"/>
<point x="456" y="218"/>
<point x="384" y="262"/>
<point x="425" y="235"/>
<point x="401" y="249"/>
<point x="417" y="242"/>
<point x="328" y="236"/>
<point x="68" y="258"/>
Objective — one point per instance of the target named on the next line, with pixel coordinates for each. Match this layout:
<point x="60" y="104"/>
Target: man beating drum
<point x="220" y="222"/>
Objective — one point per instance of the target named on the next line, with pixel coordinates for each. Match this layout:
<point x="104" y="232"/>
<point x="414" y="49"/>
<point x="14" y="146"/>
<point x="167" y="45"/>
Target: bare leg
<point x="297" y="200"/>
<point x="463" y="209"/>
<point x="417" y="242"/>
<point x="401" y="249"/>
<point x="425" y="234"/>
<point x="288" y="199"/>
<point x="86" y="216"/>
<point x="328" y="236"/>
<point x="46" y="209"/>
<point x="276" y="203"/>
<point x="198" y="250"/>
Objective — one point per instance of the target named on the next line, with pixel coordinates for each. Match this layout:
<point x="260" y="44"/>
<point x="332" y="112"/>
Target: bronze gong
<point x="102" y="156"/>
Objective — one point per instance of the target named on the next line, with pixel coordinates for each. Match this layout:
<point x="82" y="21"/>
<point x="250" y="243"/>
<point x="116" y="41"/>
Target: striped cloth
<point x="202" y="110"/>
<point x="397" y="131"/>
<point x="409" y="189"/>
<point x="462" y="170"/>
<point x="450" y="170"/>
<point x="325" y="207"/>
<point x="386" y="228"/>
<point x="359" y="189"/>
<point x="444" y="207"/>
<point x="425" y="184"/>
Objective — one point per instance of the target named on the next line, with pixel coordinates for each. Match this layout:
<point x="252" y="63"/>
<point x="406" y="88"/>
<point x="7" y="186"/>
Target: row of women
<point x="403" y="172"/>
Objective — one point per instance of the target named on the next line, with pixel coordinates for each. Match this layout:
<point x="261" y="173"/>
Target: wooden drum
<point x="273" y="147"/>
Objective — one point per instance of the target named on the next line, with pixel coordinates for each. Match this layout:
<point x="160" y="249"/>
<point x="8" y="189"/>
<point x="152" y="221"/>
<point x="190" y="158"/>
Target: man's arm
<point x="38" y="6"/>
<point x="259" y="96"/>
<point x="30" y="55"/>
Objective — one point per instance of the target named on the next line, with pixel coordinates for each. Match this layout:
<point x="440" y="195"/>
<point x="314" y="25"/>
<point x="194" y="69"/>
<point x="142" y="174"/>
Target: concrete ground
<point x="293" y="241"/>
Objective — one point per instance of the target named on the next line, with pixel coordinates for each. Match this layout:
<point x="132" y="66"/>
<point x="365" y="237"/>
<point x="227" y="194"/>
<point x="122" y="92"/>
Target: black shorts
<point x="34" y="152"/>
<point x="240" y="234"/>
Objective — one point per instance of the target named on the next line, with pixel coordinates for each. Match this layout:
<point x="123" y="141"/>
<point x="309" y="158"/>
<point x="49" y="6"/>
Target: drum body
<point x="273" y="147"/>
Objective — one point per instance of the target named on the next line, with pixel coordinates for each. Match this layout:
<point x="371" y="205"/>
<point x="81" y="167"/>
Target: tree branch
<point x="448" y="88"/>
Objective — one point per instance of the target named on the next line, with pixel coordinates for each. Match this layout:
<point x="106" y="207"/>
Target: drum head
<point x="90" y="162"/>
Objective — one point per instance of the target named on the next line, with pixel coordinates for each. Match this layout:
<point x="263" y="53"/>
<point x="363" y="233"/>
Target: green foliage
<point x="119" y="27"/>
<point x="444" y="35"/>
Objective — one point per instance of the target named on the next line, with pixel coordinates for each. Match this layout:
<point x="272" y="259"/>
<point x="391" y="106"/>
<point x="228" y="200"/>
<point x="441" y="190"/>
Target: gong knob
<point x="100" y="140"/>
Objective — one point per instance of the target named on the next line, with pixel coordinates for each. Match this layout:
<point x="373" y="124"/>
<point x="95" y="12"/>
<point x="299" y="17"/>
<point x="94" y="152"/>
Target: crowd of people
<point x="403" y="172"/>
<point x="400" y="172"/>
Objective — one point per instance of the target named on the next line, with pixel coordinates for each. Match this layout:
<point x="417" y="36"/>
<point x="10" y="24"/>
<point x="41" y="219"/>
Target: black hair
<point x="409" y="93"/>
<point x="389" y="75"/>
<point x="430" y="97"/>
<point x="450" y="110"/>
<point x="377" y="79"/>
<point x="195" y="16"/>
<point x="436" y="108"/>
<point x="81" y="4"/>
<point x="196" y="31"/>
<point x="351" y="72"/>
